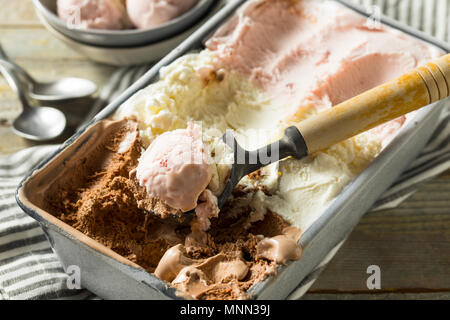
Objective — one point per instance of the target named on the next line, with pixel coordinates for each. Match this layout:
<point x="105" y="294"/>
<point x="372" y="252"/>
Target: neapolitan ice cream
<point x="151" y="13"/>
<point x="94" y="14"/>
<point x="275" y="63"/>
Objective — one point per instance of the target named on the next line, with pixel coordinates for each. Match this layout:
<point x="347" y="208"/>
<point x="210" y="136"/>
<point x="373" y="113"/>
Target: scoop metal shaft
<point x="245" y="162"/>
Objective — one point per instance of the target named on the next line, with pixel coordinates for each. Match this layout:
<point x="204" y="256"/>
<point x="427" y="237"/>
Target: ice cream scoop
<point x="412" y="91"/>
<point x="94" y="14"/>
<point x="409" y="92"/>
<point x="151" y="13"/>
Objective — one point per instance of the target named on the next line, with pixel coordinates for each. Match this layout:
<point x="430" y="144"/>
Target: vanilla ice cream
<point x="94" y="14"/>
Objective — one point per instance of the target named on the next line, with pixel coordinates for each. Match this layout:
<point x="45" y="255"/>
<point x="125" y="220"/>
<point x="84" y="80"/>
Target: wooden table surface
<point x="410" y="244"/>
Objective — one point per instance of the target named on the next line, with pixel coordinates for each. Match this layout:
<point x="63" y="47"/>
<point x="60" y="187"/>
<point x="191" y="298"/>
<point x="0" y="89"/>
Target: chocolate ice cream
<point x="105" y="202"/>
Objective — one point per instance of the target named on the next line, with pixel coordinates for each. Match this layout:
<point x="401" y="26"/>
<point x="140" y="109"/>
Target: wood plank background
<point x="411" y="244"/>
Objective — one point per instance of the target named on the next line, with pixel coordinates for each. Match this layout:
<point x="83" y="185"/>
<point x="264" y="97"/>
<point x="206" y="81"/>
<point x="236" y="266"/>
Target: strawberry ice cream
<point x="94" y="14"/>
<point x="312" y="55"/>
<point x="151" y="13"/>
<point x="175" y="168"/>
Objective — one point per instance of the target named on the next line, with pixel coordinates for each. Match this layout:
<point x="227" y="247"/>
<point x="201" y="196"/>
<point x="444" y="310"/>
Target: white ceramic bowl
<point x="122" y="38"/>
<point x="131" y="55"/>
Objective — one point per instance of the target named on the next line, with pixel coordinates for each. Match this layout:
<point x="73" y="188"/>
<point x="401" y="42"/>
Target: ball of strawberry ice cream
<point x="94" y="14"/>
<point x="151" y="13"/>
<point x="175" y="168"/>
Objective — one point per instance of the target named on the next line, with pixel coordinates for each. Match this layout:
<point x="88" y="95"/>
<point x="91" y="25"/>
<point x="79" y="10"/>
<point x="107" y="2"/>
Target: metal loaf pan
<point x="111" y="276"/>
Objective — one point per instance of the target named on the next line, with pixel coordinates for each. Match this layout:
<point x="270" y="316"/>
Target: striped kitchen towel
<point x="430" y="16"/>
<point x="29" y="269"/>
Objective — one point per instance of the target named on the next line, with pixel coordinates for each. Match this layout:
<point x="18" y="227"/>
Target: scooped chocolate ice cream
<point x="103" y="199"/>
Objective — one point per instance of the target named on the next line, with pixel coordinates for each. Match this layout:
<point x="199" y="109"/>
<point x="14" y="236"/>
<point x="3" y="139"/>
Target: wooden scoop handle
<point x="412" y="91"/>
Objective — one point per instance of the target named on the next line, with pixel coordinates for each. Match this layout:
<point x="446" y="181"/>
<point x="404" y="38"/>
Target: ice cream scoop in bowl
<point x="411" y="91"/>
<point x="128" y="37"/>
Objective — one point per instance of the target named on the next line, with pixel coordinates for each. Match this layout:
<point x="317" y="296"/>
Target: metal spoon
<point x="410" y="92"/>
<point x="63" y="89"/>
<point x="34" y="123"/>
